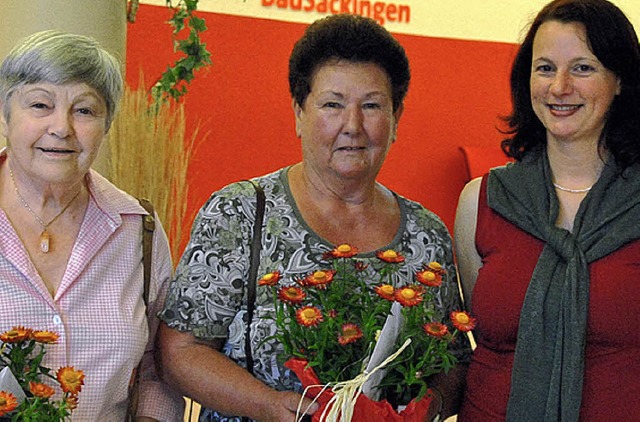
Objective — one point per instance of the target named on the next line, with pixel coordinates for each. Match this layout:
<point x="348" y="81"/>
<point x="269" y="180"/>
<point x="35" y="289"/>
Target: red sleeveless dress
<point x="611" y="390"/>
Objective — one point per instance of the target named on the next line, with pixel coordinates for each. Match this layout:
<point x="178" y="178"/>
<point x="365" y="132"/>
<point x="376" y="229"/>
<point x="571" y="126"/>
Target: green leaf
<point x="197" y="24"/>
<point x="171" y="84"/>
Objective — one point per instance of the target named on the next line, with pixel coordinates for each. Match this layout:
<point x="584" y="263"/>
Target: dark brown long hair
<point x="614" y="42"/>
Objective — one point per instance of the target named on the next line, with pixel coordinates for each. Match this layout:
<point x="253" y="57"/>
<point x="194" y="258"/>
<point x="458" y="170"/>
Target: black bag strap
<point x="254" y="263"/>
<point x="148" y="227"/>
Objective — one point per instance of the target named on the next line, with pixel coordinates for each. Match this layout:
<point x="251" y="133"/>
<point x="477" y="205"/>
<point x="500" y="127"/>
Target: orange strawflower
<point x="435" y="329"/>
<point x="350" y="334"/>
<point x="270" y="279"/>
<point x="390" y="256"/>
<point x="436" y="267"/>
<point x="463" y="321"/>
<point x="409" y="296"/>
<point x="41" y="390"/>
<point x="385" y="291"/>
<point x="431" y="275"/>
<point x="44" y="336"/>
<point x="309" y="316"/>
<point x="343" y="251"/>
<point x="291" y="294"/>
<point x="319" y="279"/>
<point x="8" y="402"/>
<point x="71" y="402"/>
<point x="16" y="335"/>
<point x="70" y="379"/>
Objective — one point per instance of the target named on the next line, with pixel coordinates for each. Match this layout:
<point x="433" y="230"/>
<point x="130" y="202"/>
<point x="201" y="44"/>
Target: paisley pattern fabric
<point x="207" y="296"/>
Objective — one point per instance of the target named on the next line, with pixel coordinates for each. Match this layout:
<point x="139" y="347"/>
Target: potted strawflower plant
<point x="27" y="387"/>
<point x="338" y="327"/>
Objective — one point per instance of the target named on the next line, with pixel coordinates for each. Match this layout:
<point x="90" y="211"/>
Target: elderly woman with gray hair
<point x="71" y="242"/>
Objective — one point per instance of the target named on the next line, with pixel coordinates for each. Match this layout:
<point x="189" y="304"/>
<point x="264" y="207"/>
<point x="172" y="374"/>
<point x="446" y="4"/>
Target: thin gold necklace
<point x="562" y="188"/>
<point x="45" y="237"/>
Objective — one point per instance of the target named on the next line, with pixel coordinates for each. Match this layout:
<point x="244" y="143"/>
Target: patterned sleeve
<point x="207" y="289"/>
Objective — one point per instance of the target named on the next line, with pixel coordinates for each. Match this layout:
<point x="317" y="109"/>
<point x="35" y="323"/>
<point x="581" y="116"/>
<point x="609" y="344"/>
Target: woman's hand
<point x="447" y="390"/>
<point x="435" y="407"/>
<point x="281" y="406"/>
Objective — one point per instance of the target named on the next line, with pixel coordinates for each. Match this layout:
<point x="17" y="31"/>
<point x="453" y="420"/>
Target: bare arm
<point x="469" y="261"/>
<point x="206" y="375"/>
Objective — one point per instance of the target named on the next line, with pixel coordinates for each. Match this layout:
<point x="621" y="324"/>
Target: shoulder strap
<point x="256" y="245"/>
<point x="148" y="226"/>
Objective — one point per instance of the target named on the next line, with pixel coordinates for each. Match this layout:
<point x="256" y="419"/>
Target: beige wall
<point x="104" y="20"/>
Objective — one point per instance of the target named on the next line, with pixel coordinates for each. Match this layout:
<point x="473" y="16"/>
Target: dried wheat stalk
<point x="150" y="156"/>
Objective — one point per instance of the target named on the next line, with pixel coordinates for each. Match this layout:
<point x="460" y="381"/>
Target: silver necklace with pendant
<point x="45" y="237"/>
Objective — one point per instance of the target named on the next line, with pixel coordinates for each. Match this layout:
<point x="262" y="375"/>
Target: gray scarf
<point x="548" y="370"/>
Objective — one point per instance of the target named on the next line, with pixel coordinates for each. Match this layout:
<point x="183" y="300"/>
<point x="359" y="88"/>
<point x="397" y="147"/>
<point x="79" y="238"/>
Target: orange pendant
<point x="44" y="241"/>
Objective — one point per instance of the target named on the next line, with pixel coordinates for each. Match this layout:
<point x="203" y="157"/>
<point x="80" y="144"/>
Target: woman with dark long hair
<point x="548" y="247"/>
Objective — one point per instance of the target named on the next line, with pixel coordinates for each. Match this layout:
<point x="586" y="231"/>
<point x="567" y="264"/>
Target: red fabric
<point x="611" y="389"/>
<point x="366" y="410"/>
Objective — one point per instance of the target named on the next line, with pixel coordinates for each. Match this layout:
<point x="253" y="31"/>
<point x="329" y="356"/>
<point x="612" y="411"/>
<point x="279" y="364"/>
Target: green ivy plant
<point x="172" y="83"/>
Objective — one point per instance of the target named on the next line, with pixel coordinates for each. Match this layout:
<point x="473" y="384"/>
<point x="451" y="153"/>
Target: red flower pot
<point x="366" y="410"/>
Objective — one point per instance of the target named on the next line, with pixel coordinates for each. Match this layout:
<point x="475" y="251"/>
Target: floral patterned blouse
<point x="208" y="295"/>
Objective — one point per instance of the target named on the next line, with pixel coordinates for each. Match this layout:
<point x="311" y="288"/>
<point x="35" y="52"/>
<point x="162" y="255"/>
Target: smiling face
<point x="347" y="123"/>
<point x="571" y="91"/>
<point x="54" y="131"/>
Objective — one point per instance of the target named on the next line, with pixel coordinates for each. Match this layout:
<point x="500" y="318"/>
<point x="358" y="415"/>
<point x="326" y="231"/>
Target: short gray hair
<point x="59" y="58"/>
